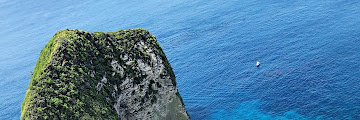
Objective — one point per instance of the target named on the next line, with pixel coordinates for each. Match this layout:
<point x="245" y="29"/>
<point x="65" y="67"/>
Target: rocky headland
<point x="113" y="75"/>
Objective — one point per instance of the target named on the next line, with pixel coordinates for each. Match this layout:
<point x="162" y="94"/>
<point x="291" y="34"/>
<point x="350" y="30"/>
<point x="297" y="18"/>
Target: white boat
<point x="257" y="64"/>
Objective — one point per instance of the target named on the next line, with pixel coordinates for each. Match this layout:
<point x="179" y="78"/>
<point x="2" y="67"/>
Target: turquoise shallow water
<point x="309" y="50"/>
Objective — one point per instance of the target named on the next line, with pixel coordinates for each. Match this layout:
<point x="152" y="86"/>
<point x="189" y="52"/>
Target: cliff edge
<point x="113" y="75"/>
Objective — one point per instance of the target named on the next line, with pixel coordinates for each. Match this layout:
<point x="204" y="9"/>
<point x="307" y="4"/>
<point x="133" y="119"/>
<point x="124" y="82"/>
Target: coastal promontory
<point x="113" y="75"/>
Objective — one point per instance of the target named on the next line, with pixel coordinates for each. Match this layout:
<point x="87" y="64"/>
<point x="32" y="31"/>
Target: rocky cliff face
<point x="114" y="75"/>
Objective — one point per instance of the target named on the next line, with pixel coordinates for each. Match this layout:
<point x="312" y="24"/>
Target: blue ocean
<point x="309" y="52"/>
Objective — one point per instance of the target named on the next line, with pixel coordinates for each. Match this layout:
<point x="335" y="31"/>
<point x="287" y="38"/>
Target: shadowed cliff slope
<point x="114" y="75"/>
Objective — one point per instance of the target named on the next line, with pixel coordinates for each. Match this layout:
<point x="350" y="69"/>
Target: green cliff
<point x="114" y="75"/>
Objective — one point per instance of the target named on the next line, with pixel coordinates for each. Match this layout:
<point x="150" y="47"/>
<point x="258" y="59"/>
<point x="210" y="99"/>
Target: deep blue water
<point x="309" y="50"/>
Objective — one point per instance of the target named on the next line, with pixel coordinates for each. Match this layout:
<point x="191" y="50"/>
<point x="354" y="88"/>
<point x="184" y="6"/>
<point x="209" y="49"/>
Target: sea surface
<point x="309" y="52"/>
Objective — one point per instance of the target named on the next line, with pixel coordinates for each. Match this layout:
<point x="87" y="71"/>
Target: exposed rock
<point x="115" y="75"/>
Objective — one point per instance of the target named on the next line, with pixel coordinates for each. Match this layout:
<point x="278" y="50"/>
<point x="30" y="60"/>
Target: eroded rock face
<point x="117" y="75"/>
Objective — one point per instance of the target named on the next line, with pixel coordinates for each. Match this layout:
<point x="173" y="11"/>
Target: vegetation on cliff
<point x="74" y="77"/>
